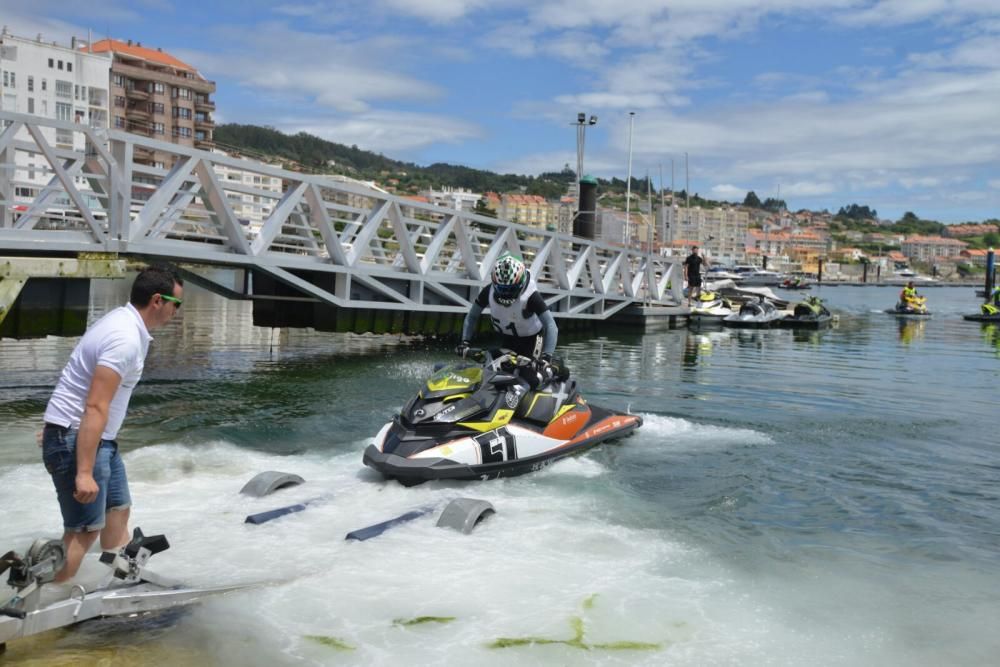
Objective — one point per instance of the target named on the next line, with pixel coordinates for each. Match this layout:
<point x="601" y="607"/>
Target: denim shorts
<point x="59" y="456"/>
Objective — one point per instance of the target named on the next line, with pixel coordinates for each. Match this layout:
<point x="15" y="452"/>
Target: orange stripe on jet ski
<point x="611" y="423"/>
<point x="568" y="425"/>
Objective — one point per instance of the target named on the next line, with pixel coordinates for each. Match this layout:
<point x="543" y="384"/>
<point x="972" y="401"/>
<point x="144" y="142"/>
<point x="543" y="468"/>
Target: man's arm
<point x="95" y="418"/>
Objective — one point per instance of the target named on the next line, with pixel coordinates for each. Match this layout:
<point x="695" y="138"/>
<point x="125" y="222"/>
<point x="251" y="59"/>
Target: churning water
<point x="826" y="498"/>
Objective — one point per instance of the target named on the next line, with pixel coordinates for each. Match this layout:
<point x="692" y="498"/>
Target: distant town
<point x="126" y="86"/>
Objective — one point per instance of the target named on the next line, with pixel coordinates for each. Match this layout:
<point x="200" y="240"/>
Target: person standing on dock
<point x="87" y="409"/>
<point x="692" y="266"/>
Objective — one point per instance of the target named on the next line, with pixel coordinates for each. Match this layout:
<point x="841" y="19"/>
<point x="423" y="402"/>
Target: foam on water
<point x="524" y="572"/>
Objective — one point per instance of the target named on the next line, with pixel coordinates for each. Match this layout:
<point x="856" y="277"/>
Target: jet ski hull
<point x="792" y="322"/>
<point x="909" y="314"/>
<point x="978" y="317"/>
<point x="508" y="451"/>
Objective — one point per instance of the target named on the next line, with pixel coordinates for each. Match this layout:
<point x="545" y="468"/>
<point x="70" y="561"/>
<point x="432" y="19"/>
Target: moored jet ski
<point x="480" y="421"/>
<point x="810" y="313"/>
<point x="988" y="312"/>
<point x="710" y="308"/>
<point x="757" y="314"/>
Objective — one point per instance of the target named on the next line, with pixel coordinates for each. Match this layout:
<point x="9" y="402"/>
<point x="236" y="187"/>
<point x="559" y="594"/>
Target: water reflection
<point x="911" y="331"/>
<point x="991" y="334"/>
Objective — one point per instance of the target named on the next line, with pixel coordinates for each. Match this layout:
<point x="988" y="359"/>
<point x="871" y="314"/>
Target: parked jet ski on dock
<point x="810" y="313"/>
<point x="710" y="309"/>
<point x="29" y="606"/>
<point x="478" y="421"/>
<point x="758" y="314"/>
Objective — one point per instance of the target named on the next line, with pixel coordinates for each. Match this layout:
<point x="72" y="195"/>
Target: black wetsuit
<point x="693" y="264"/>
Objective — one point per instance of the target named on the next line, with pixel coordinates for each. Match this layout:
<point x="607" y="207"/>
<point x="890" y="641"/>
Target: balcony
<point x="138" y="112"/>
<point x="204" y="123"/>
<point x="204" y="144"/>
<point x="204" y="104"/>
<point x="137" y="94"/>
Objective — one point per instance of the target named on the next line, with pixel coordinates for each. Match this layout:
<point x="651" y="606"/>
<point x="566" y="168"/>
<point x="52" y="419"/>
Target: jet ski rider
<point x="909" y="294"/>
<point x="520" y="314"/>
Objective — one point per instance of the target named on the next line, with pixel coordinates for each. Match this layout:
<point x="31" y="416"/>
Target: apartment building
<point x="158" y="96"/>
<point x="722" y="232"/>
<point x="52" y="81"/>
<point x="252" y="196"/>
<point x="928" y="248"/>
<point x="530" y="210"/>
<point x="461" y="199"/>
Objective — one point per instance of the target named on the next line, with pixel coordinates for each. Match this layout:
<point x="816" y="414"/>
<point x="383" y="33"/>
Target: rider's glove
<point x="463" y="348"/>
<point x="546" y="371"/>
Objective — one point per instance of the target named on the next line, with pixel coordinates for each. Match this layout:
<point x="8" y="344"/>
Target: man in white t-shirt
<point x="87" y="409"/>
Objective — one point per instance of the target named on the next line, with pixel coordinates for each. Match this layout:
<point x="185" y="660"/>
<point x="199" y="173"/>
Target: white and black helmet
<point x="510" y="277"/>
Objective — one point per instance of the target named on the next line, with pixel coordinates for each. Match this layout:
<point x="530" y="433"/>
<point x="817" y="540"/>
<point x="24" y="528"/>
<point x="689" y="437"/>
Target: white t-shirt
<point x="118" y="341"/>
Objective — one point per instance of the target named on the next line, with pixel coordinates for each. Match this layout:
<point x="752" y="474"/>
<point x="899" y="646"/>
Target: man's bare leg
<point x="77" y="545"/>
<point x="115" y="532"/>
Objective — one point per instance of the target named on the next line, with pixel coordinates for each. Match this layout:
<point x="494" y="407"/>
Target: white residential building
<point x="457" y="198"/>
<point x="252" y="196"/>
<point x="722" y="232"/>
<point x="55" y="82"/>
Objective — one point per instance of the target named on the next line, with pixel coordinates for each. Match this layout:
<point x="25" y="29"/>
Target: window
<point x="50" y="63"/>
<point x="118" y="80"/>
<point x="24" y="192"/>
<point x="6" y="79"/>
<point x="158" y="108"/>
<point x="182" y="132"/>
<point x="157" y="128"/>
<point x="60" y="64"/>
<point x="31" y="84"/>
<point x="119" y="101"/>
<point x="181" y="112"/>
<point x="45" y="85"/>
<point x="159" y="88"/>
<point x="64" y="111"/>
<point x="119" y="121"/>
<point x="69" y="67"/>
<point x="31" y="105"/>
<point x="64" y="89"/>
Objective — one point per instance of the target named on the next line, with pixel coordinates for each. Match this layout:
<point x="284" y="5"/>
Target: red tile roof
<point x="136" y="51"/>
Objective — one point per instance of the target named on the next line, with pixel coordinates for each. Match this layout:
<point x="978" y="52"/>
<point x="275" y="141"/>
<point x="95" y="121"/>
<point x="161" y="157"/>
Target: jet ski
<point x="795" y="283"/>
<point x="988" y="312"/>
<point x="758" y="314"/>
<point x="29" y="606"/>
<point x="710" y="308"/>
<point x="915" y="307"/>
<point x="479" y="421"/>
<point x="809" y="313"/>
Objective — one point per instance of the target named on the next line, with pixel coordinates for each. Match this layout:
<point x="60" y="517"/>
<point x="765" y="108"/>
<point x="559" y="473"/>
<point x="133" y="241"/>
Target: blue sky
<point x="894" y="104"/>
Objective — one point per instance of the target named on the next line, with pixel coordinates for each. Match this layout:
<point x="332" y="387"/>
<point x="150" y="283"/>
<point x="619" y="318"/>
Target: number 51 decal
<point x="497" y="446"/>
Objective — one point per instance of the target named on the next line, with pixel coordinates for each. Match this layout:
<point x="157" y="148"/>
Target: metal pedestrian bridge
<point x="69" y="191"/>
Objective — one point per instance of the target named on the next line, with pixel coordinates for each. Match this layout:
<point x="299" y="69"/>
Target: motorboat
<point x="810" y="313"/>
<point x="710" y="308"/>
<point x="758" y="314"/>
<point x="478" y="420"/>
<point x="753" y="276"/>
<point x="33" y="604"/>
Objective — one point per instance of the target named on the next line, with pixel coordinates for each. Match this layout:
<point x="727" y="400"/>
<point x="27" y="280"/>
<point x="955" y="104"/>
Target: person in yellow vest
<point x="909" y="294"/>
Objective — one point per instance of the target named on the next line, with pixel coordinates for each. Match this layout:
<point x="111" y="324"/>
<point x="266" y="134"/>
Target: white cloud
<point x="386" y="130"/>
<point x="729" y="192"/>
<point x="337" y="71"/>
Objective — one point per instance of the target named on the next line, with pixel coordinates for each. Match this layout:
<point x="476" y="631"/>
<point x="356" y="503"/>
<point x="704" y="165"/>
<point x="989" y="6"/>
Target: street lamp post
<point x="628" y="183"/>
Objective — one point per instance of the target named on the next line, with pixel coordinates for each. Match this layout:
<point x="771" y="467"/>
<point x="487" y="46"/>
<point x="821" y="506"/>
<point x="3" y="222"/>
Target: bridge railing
<point x="67" y="187"/>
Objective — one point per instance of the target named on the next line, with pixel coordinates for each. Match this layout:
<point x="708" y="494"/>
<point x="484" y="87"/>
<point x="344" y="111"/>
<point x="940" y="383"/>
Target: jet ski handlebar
<point x="505" y="358"/>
